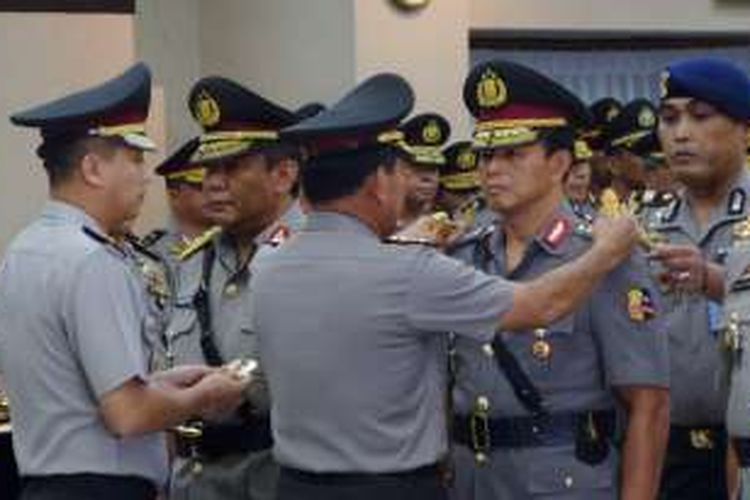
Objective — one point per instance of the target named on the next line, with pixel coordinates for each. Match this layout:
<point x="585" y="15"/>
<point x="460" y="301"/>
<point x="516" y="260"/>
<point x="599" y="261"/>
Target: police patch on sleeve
<point x="640" y="305"/>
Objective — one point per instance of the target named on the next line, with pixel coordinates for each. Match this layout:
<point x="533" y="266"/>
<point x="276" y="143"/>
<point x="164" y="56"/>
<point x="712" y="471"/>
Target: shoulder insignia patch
<point x="640" y="305"/>
<point x="557" y="232"/>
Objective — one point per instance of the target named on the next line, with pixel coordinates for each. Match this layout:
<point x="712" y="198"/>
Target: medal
<point x="541" y="349"/>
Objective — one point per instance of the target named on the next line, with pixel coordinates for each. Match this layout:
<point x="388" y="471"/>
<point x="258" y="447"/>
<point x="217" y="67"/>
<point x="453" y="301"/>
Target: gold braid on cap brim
<point x="133" y="134"/>
<point x="428" y="155"/>
<point x="630" y="139"/>
<point x="505" y="133"/>
<point x="218" y="145"/>
<point x="462" y="181"/>
<point x="191" y="176"/>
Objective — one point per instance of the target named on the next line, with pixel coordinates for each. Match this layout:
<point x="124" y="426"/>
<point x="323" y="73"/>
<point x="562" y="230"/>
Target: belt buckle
<point x="192" y="433"/>
<point x="701" y="439"/>
<point x="479" y="428"/>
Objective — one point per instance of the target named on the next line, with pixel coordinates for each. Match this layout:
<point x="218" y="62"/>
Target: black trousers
<point x="695" y="473"/>
<point x="422" y="484"/>
<point x="9" y="481"/>
<point x="87" y="487"/>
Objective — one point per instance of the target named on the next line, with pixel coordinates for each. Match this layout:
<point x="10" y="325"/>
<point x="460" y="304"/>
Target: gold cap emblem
<point x="646" y="118"/>
<point x="206" y="110"/>
<point x="491" y="90"/>
<point x="431" y="134"/>
<point x="467" y="159"/>
<point x="612" y="113"/>
<point x="664" y="84"/>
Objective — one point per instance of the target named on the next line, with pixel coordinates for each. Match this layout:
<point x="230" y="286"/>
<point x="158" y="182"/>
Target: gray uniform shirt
<point x="616" y="338"/>
<point x="698" y="393"/>
<point x="228" y="301"/>
<point x="736" y="330"/>
<point x="351" y="340"/>
<point x="72" y="313"/>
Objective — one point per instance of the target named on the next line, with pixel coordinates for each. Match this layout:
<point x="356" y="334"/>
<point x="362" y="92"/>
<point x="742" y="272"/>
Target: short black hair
<point x="334" y="176"/>
<point x="557" y="139"/>
<point x="62" y="155"/>
<point x="280" y="151"/>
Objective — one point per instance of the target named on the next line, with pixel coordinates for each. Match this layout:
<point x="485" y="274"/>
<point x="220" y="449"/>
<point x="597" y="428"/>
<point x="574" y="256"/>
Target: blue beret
<point x="715" y="81"/>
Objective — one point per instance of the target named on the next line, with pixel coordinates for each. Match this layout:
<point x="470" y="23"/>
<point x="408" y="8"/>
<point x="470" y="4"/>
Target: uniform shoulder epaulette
<point x="473" y="237"/>
<point x="198" y="243"/>
<point x="153" y="237"/>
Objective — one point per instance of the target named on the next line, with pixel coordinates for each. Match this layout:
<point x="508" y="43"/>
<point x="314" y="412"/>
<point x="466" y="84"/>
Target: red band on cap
<point x="521" y="111"/>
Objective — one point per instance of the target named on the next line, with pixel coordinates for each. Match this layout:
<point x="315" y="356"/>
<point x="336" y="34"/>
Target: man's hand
<point x="221" y="394"/>
<point x="685" y="268"/>
<point x="181" y="376"/>
<point x="615" y="237"/>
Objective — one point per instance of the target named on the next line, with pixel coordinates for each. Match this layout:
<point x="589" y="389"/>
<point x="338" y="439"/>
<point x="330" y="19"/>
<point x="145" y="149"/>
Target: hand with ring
<point x="685" y="267"/>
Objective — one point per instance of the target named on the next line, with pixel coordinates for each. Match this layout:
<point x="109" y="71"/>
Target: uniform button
<point x="568" y="481"/>
<point x="535" y="429"/>
<point x="483" y="404"/>
<point x="488" y="350"/>
<point x="231" y="291"/>
<point x="481" y="458"/>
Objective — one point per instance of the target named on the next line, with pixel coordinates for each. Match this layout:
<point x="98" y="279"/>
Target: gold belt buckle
<point x="479" y="428"/>
<point x="702" y="439"/>
<point x="192" y="434"/>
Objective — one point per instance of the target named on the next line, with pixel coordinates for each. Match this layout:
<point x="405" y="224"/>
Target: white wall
<point x="292" y="51"/>
<point x="168" y="39"/>
<point x="429" y="48"/>
<point x="43" y="56"/>
<point x="676" y="15"/>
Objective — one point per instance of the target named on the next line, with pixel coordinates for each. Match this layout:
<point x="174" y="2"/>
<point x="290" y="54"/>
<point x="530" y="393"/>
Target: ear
<point x="285" y="174"/>
<point x="93" y="171"/>
<point x="561" y="161"/>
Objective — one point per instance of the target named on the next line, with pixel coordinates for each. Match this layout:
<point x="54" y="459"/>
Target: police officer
<point x="735" y="343"/>
<point x="86" y="413"/>
<point x="250" y="176"/>
<point x="188" y="218"/>
<point x="351" y="328"/>
<point x="424" y="136"/>
<point x="535" y="413"/>
<point x="459" y="193"/>
<point x="577" y="183"/>
<point x="603" y="113"/>
<point x="703" y="119"/>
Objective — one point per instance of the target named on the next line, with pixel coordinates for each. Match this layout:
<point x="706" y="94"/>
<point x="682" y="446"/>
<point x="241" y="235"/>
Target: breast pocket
<point x="547" y="346"/>
<point x="556" y="471"/>
<point x="183" y="336"/>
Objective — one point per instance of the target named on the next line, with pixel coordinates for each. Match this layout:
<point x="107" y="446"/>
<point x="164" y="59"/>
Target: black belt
<point x="353" y="478"/>
<point x="486" y="434"/>
<point x="692" y="439"/>
<point x="742" y="447"/>
<point x="233" y="438"/>
<point x="84" y="486"/>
